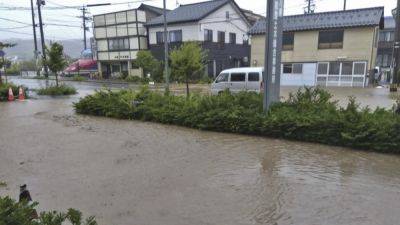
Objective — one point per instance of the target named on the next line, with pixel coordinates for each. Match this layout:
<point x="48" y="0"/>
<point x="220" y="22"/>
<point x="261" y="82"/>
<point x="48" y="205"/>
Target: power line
<point x="14" y="21"/>
<point x="10" y="28"/>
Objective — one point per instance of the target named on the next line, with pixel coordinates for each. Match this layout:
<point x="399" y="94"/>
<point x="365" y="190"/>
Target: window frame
<point x="329" y="43"/>
<point x="220" y="40"/>
<point x="232" y="38"/>
<point x="208" y="35"/>
<point x="237" y="81"/>
<point x="160" y="37"/>
<point x="288" y="47"/>
<point x="253" y="73"/>
<point x="178" y="40"/>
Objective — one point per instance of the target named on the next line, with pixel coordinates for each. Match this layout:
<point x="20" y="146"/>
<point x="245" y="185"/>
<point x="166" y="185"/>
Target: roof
<point x="153" y="9"/>
<point x="244" y="70"/>
<point x="390" y="23"/>
<point x="191" y="12"/>
<point x="328" y="20"/>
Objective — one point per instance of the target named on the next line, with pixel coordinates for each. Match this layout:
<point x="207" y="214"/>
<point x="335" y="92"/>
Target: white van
<point x="239" y="79"/>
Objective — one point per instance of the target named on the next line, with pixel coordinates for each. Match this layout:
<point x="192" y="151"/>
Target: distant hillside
<point x="24" y="48"/>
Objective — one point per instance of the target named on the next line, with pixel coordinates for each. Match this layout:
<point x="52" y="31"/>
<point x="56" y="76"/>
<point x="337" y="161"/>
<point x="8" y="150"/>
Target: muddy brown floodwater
<point x="127" y="172"/>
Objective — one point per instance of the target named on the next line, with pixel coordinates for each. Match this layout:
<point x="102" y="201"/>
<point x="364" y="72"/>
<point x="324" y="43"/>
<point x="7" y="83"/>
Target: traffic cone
<point x="10" y="95"/>
<point x="21" y="95"/>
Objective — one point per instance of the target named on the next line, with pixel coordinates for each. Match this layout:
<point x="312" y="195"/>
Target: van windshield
<point x="223" y="77"/>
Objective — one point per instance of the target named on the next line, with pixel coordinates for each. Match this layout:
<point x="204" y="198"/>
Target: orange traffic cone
<point x="10" y="94"/>
<point x="21" y="95"/>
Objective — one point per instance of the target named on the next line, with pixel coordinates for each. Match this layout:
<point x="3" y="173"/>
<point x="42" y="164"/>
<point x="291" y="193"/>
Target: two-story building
<point x="118" y="37"/>
<point x="219" y="25"/>
<point x="329" y="49"/>
<point x="385" y="49"/>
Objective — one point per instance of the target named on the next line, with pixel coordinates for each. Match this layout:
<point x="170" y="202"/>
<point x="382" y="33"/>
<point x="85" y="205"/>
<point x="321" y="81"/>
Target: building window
<point x="379" y="60"/>
<point x="160" y="37"/>
<point x="232" y="38"/>
<point x="221" y="37"/>
<point x="334" y="68"/>
<point x="330" y="39"/>
<point x="287" y="68"/>
<point x="297" y="68"/>
<point x="385" y="60"/>
<point x="208" y="35"/>
<point x="347" y="68"/>
<point x="227" y="16"/>
<point x="118" y="44"/>
<point x="322" y="68"/>
<point x="293" y="68"/>
<point x="288" y="41"/>
<point x="175" y="36"/>
<point x="359" y="68"/>
<point x="386" y="36"/>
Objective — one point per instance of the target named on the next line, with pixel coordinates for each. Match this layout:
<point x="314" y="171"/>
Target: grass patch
<point x="57" y="91"/>
<point x="79" y="78"/>
<point x="4" y="91"/>
<point x="3" y="184"/>
<point x="307" y="115"/>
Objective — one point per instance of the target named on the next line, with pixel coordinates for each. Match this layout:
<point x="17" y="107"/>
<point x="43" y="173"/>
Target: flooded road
<point x="129" y="172"/>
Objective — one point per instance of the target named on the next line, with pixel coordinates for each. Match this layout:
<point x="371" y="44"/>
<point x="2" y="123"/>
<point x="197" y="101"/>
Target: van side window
<point x="253" y="77"/>
<point x="223" y="77"/>
<point x="238" y="77"/>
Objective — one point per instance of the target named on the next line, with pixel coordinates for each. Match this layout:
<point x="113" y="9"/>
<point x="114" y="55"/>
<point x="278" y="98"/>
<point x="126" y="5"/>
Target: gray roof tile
<point x="327" y="20"/>
<point x="190" y="12"/>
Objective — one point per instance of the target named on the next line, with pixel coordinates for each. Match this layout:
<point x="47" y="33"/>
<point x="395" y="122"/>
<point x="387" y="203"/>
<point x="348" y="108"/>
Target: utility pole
<point x="34" y="39"/>
<point x="272" y="64"/>
<point x="344" y="5"/>
<point x="310" y="8"/>
<point x="84" y="27"/>
<point x="396" y="56"/>
<point x="85" y="18"/>
<point x="166" y="70"/>
<point x="39" y="5"/>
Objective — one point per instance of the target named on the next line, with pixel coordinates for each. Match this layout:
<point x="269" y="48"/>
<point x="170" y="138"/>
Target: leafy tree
<point x="187" y="62"/>
<point x="56" y="61"/>
<point x="149" y="64"/>
<point x="3" y="62"/>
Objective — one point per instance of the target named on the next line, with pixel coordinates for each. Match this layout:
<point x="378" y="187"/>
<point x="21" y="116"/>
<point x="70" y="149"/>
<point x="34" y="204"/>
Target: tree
<point x="187" y="62"/>
<point x="56" y="61"/>
<point x="149" y="64"/>
<point x="3" y="62"/>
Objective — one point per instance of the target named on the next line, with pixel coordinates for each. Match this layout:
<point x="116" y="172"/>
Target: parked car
<point x="239" y="79"/>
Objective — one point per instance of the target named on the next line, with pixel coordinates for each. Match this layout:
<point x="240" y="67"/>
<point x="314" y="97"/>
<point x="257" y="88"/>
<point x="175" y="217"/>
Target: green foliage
<point x="308" y="115"/>
<point x="56" y="61"/>
<point x="4" y="91"/>
<point x="57" y="90"/>
<point x="20" y="213"/>
<point x="187" y="61"/>
<point x="149" y="64"/>
<point x="15" y="69"/>
<point x="78" y="78"/>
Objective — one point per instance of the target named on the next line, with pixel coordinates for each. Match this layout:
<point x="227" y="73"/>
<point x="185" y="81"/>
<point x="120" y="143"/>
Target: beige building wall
<point x="359" y="44"/>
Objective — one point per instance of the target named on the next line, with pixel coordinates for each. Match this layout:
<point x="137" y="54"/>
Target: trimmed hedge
<point x="4" y="91"/>
<point x="57" y="91"/>
<point x="308" y="115"/>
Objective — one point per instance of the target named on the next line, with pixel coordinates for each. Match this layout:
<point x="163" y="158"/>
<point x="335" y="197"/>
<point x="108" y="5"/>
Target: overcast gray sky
<point x="68" y="17"/>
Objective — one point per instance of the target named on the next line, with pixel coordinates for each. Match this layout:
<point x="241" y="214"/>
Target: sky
<point x="68" y="25"/>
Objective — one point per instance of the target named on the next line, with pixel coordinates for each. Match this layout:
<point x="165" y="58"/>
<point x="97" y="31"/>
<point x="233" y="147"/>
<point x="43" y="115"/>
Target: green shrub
<point x="4" y="91"/>
<point x="136" y="79"/>
<point x="308" y="115"/>
<point x="20" y="213"/>
<point x="78" y="78"/>
<point x="57" y="91"/>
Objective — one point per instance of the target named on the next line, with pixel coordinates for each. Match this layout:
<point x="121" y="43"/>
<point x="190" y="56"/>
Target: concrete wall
<point x="358" y="45"/>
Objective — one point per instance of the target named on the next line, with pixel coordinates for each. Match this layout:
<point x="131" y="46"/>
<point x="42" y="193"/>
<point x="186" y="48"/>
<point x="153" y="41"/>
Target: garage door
<point x="341" y="74"/>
